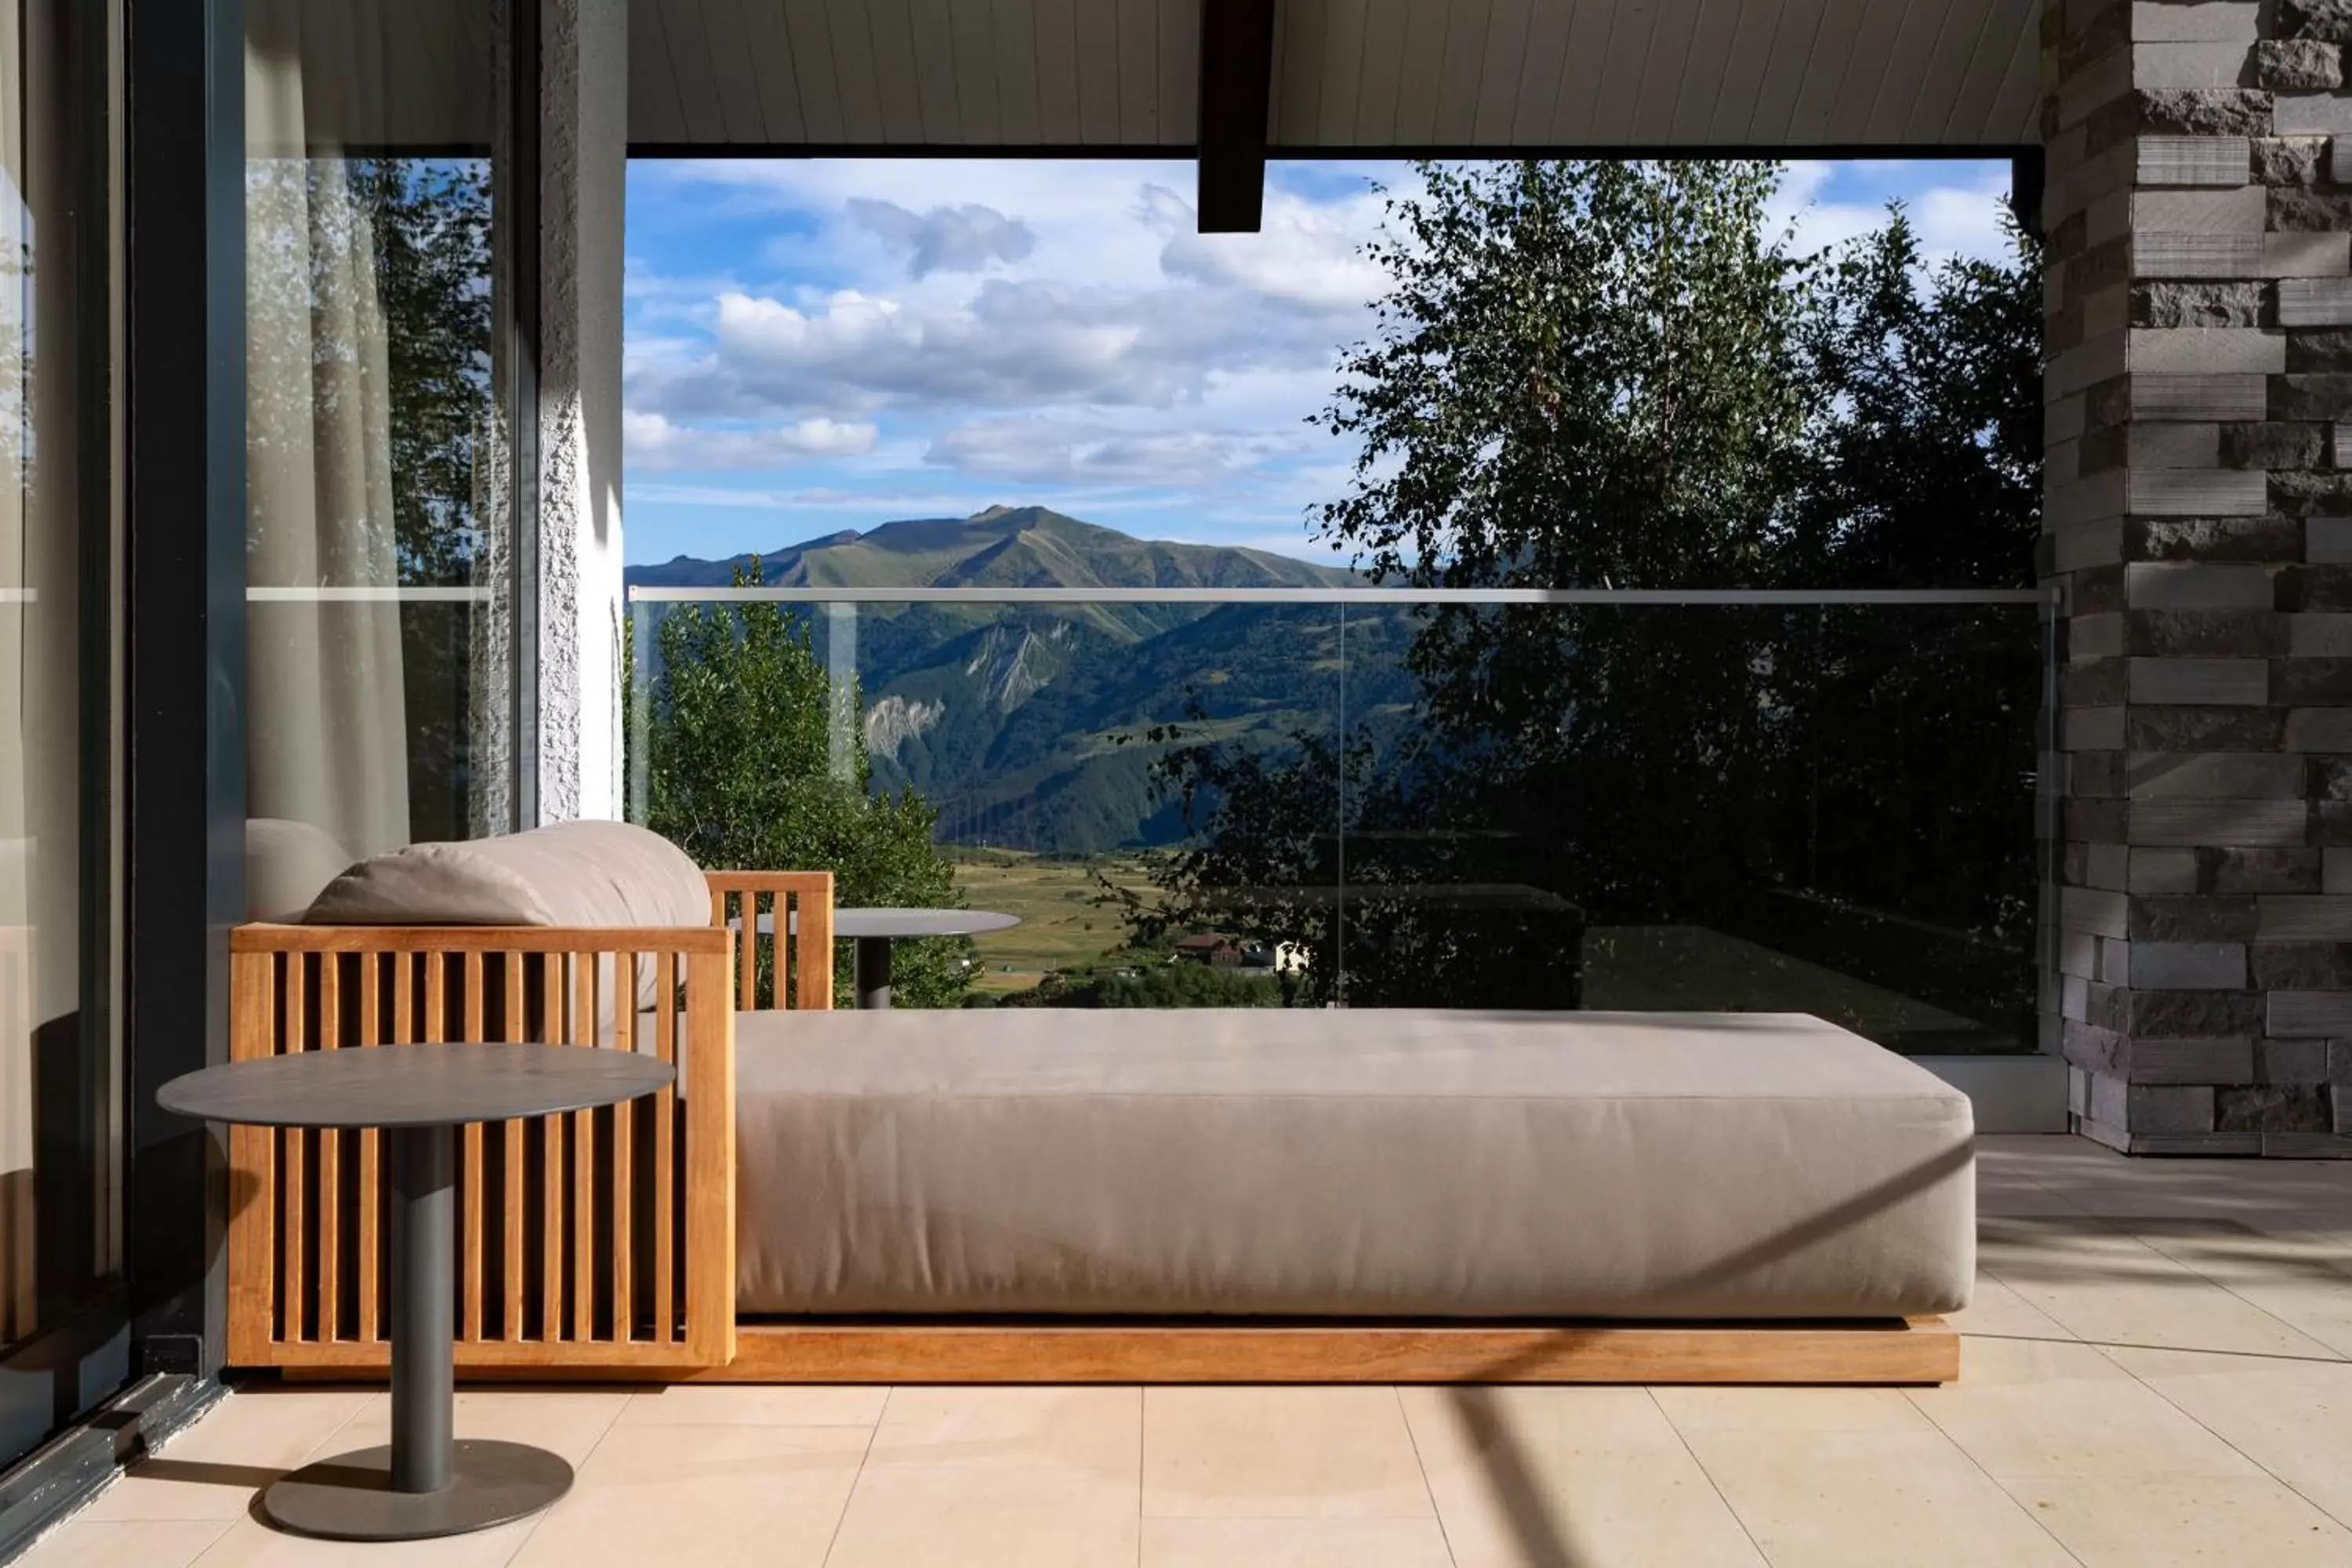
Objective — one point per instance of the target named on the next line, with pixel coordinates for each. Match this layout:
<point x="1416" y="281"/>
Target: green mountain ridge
<point x="1021" y="722"/>
<point x="1000" y="547"/>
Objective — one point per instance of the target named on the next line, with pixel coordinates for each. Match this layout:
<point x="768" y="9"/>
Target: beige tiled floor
<point x="2158" y="1370"/>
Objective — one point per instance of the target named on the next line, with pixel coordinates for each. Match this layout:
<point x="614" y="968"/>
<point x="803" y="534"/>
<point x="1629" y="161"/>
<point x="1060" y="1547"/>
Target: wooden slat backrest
<point x="551" y="1272"/>
<point x="798" y="971"/>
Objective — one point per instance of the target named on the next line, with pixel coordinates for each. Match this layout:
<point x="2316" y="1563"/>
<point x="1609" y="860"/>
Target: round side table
<point x="874" y="929"/>
<point x="426" y="1483"/>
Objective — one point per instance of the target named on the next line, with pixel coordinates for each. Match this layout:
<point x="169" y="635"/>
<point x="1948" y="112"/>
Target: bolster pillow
<point x="593" y="874"/>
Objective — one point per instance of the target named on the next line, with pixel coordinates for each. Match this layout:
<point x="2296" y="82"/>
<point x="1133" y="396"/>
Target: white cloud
<point x="1009" y="343"/>
<point x="877" y="503"/>
<point x="1084" y="213"/>
<point x="966" y="239"/>
<point x="1305" y="255"/>
<point x="958" y="294"/>
<point x="650" y="440"/>
<point x="1955" y="220"/>
<point x="1059" y="452"/>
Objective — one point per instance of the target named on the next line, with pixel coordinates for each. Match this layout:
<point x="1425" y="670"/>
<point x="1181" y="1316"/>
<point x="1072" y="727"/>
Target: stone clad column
<point x="2198" y="526"/>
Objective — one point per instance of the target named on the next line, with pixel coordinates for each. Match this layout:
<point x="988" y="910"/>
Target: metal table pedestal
<point x="872" y="957"/>
<point x="422" y="1484"/>
<point x="425" y="1483"/>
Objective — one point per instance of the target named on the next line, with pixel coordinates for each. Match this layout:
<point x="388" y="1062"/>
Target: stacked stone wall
<point x="2199" y="529"/>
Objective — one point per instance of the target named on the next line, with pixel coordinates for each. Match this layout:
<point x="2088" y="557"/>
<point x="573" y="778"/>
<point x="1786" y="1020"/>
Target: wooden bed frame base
<point x="1895" y="1350"/>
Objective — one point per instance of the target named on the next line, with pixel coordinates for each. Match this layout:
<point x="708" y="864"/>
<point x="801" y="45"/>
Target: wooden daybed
<point x="603" y="1245"/>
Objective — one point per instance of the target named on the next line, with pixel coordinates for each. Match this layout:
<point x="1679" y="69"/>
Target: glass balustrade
<point x="1822" y="803"/>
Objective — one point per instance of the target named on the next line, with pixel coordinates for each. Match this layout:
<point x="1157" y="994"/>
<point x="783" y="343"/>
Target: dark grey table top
<point x="851" y="925"/>
<point x="413" y="1086"/>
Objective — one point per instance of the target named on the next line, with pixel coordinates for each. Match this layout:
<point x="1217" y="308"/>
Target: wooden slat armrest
<point x="802" y="948"/>
<point x="601" y="1241"/>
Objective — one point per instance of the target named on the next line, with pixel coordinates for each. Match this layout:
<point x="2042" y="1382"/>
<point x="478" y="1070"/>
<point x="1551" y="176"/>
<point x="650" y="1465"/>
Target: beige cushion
<point x="432" y="885"/>
<point x="593" y="874"/>
<point x="1360" y="1163"/>
<point x="287" y="865"/>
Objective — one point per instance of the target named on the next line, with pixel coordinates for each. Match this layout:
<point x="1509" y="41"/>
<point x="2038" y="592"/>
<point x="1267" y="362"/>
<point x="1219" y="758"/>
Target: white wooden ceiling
<point x="1348" y="74"/>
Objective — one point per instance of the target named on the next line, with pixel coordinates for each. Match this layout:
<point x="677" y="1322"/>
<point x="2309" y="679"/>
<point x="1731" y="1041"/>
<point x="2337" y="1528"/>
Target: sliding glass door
<point x="62" y="1340"/>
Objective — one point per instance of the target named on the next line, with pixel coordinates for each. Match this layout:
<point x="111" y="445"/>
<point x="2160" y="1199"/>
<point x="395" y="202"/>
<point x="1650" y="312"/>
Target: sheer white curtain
<point x="326" y="717"/>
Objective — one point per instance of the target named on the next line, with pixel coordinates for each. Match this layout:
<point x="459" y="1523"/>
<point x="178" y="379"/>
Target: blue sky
<point x="813" y="345"/>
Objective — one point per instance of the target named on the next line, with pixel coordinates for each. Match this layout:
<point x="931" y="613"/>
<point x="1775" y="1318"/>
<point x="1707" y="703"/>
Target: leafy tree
<point x="1584" y="375"/>
<point x="1184" y="983"/>
<point x="429" y="221"/>
<point x="1581" y="375"/>
<point x="1345" y="850"/>
<point x="1164" y="983"/>
<point x="1615" y="376"/>
<point x="1922" y="467"/>
<point x="1923" y="470"/>
<point x="741" y="776"/>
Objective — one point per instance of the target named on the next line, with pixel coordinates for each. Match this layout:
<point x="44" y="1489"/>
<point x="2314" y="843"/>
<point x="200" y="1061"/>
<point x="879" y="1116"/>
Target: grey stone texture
<point x="2301" y="209"/>
<point x="2198" y="524"/>
<point x="2290" y="1061"/>
<point x="2318" y="348"/>
<point x="2226" y="871"/>
<point x="2256" y="538"/>
<point x="2187" y="965"/>
<point x="2183" y="112"/>
<point x="2221" y="634"/>
<point x="2287" y="160"/>
<point x="2327" y="19"/>
<point x="2298" y="63"/>
<point x="2306" y="255"/>
<point x="2273" y="444"/>
<point x="2187" y="1061"/>
<point x="2272" y="1107"/>
<point x="2310" y="1014"/>
<point x="2295" y="493"/>
<point x="2301" y="965"/>
<point x="2185" y="160"/>
<point x="2310" y="396"/>
<point x="2293" y="113"/>
<point x="2163" y="21"/>
<point x="2315" y="302"/>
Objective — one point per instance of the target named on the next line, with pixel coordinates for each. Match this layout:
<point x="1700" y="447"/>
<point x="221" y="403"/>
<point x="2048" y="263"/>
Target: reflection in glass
<point x="54" y="1238"/>
<point x="378" y="541"/>
<point x="1815" y="808"/>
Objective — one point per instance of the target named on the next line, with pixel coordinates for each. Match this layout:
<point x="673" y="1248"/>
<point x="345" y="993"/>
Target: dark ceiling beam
<point x="1237" y="88"/>
<point x="2026" y="182"/>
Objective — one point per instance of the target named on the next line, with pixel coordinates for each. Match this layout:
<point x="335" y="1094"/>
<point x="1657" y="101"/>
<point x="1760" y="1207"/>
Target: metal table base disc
<point x="350" y="1497"/>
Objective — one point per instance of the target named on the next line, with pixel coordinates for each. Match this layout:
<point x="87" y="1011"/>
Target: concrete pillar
<point x="583" y="162"/>
<point x="2199" y="526"/>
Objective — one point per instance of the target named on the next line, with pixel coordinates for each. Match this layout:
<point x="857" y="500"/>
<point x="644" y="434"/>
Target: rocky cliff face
<point x="895" y="721"/>
<point x="1012" y="664"/>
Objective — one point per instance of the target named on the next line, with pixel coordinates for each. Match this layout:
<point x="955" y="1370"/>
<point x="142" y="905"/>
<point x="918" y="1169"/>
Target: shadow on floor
<point x="1541" y="1534"/>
